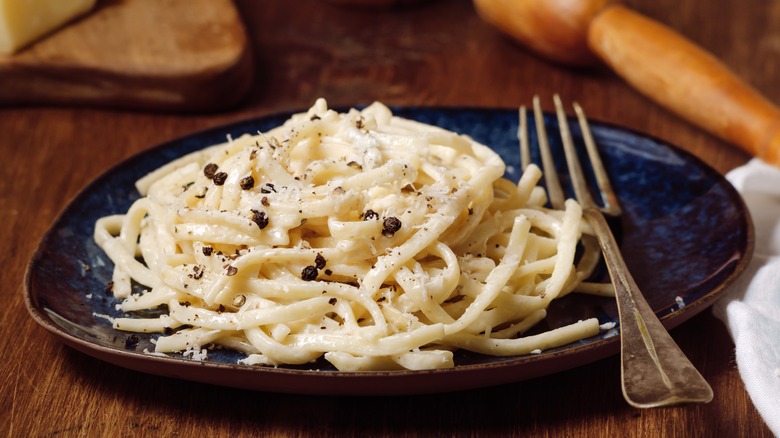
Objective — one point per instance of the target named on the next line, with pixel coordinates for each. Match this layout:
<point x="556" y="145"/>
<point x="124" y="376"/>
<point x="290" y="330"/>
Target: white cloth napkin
<point x="750" y="307"/>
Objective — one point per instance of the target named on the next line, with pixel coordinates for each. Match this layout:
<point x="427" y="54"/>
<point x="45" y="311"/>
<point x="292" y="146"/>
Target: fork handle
<point x="679" y="75"/>
<point x="654" y="371"/>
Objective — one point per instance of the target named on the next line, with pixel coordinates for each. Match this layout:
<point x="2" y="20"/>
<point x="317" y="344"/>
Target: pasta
<point x="372" y="240"/>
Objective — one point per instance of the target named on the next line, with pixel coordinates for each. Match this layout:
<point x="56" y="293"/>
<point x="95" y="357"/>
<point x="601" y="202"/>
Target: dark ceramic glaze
<point x="685" y="235"/>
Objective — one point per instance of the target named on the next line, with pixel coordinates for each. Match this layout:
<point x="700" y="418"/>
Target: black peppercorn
<point x="220" y="177"/>
<point x="309" y="273"/>
<point x="247" y="182"/>
<point x="319" y="261"/>
<point x="260" y="218"/>
<point x="390" y="226"/>
<point x="370" y="214"/>
<point x="210" y="170"/>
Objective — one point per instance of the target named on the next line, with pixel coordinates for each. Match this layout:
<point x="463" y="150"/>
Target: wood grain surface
<point x="432" y="53"/>
<point x="180" y="55"/>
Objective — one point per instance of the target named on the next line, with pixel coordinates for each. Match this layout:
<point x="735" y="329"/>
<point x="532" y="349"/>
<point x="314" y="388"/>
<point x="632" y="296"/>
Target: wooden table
<point x="437" y="53"/>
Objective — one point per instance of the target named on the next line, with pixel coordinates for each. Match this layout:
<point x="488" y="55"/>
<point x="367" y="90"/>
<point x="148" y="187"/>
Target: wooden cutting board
<point x="177" y="55"/>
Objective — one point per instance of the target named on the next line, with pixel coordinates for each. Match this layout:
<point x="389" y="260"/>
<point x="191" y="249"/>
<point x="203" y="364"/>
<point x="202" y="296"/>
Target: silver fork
<point x="654" y="371"/>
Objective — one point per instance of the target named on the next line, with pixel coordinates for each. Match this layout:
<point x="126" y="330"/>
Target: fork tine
<point x="611" y="204"/>
<point x="551" y="180"/>
<point x="522" y="137"/>
<point x="575" y="169"/>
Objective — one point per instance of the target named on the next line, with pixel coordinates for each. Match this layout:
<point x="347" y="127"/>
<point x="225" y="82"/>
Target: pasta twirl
<point x="372" y="240"/>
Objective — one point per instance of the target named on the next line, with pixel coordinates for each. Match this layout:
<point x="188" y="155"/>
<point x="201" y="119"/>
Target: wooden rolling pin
<point x="654" y="59"/>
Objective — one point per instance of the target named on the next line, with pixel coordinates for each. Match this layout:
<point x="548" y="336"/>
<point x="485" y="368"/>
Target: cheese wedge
<point x="24" y="21"/>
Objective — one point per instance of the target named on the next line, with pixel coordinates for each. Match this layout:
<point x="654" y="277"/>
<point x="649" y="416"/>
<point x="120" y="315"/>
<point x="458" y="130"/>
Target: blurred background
<point x="131" y="74"/>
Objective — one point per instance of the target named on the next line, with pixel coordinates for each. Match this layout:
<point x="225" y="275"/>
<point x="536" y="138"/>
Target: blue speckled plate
<point x="685" y="235"/>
